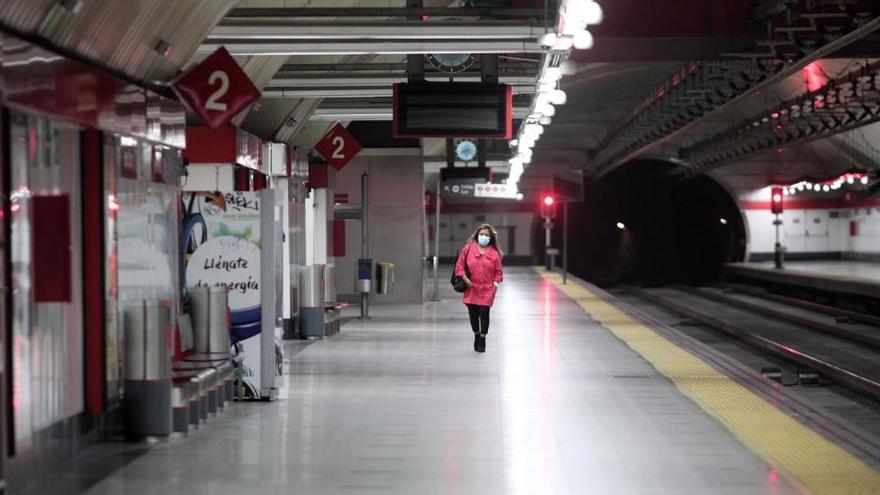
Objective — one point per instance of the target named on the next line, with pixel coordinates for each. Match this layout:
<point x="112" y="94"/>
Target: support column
<point x="488" y="74"/>
<point x="565" y="242"/>
<point x="436" y="264"/>
<point x="365" y="237"/>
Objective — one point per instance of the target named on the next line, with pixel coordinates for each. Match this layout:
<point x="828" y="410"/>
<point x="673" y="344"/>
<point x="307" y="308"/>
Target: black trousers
<point x="479" y="318"/>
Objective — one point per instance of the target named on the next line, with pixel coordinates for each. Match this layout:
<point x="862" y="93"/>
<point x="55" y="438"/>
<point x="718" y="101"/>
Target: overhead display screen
<point x="452" y="109"/>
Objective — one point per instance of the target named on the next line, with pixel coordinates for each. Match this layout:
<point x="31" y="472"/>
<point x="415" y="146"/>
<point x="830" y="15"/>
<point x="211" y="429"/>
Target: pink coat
<point x="485" y="270"/>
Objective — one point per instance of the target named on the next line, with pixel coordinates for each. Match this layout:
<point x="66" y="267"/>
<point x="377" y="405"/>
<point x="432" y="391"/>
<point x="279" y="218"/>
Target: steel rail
<point x="828" y="329"/>
<point x="804" y="304"/>
<point x="846" y="377"/>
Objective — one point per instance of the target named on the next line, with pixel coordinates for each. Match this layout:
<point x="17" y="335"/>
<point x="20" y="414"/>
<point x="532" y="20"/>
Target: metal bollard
<point x="209" y="320"/>
<point x="311" y="301"/>
<point x="362" y="285"/>
<point x="330" y="283"/>
<point x="200" y="301"/>
<point x="147" y="409"/>
<point x="290" y="330"/>
<point x="218" y="323"/>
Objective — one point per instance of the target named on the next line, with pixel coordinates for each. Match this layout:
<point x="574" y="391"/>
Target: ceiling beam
<point x="664" y="118"/>
<point x="349" y="80"/>
<point x="375" y="112"/>
<point x="370" y="47"/>
<point x="404" y="12"/>
<point x="841" y="105"/>
<point x="520" y="68"/>
<point x="377" y="67"/>
<point x="456" y="30"/>
<point x="351" y="91"/>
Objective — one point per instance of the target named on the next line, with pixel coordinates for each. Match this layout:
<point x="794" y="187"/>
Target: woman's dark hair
<point x="493" y="236"/>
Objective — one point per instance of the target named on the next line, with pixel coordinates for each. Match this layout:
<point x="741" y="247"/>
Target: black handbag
<point x="458" y="283"/>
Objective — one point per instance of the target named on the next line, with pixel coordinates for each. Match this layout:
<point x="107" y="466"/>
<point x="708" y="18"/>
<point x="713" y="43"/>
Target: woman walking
<point x="482" y="257"/>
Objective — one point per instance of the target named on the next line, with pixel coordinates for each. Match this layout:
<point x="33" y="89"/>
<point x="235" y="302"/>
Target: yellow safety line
<point x="818" y="464"/>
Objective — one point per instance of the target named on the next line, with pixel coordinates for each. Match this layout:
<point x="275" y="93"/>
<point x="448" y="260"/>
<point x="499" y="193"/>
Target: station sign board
<point x="216" y="89"/>
<point x="499" y="191"/>
<point x="460" y="188"/>
<point x="476" y="188"/>
<point x="338" y="147"/>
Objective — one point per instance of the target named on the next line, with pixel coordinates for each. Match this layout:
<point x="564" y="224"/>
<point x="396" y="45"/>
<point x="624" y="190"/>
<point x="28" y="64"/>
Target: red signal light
<point x="776" y="200"/>
<point x="548" y="206"/>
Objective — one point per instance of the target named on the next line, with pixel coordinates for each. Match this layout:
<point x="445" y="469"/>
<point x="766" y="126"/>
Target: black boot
<point x="476" y="342"/>
<point x="480" y="346"/>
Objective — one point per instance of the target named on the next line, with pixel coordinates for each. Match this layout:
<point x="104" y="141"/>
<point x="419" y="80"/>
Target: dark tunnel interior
<point x="674" y="230"/>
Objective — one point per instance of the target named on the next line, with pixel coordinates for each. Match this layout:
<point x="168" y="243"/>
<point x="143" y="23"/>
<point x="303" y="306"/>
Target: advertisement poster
<point x="220" y="246"/>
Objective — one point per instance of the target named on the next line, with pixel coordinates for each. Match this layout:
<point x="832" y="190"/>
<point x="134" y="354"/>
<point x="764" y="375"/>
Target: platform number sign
<point x="216" y="89"/>
<point x="338" y="147"/>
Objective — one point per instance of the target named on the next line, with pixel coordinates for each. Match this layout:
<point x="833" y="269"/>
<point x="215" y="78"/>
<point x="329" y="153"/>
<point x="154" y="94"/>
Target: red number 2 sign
<point x="216" y="89"/>
<point x="338" y="146"/>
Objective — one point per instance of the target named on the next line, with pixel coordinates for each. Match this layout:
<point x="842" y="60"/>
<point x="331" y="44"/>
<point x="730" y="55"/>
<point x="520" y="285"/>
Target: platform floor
<point x="846" y="268"/>
<point x="402" y="404"/>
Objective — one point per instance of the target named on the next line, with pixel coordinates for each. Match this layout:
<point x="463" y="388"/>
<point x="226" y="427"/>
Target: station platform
<point x="573" y="396"/>
<point x="840" y="276"/>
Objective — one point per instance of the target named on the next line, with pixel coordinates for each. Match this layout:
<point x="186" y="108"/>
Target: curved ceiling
<point x="146" y="40"/>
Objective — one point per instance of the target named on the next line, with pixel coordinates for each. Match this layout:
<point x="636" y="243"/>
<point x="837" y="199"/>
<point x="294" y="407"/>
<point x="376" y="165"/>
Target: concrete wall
<point x="514" y="231"/>
<point x="396" y="220"/>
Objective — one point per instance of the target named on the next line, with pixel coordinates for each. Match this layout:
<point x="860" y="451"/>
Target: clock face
<point x="451" y="62"/>
<point x="466" y="150"/>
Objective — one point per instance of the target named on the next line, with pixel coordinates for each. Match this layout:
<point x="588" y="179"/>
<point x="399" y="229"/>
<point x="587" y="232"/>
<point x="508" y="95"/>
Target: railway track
<point x="840" y="345"/>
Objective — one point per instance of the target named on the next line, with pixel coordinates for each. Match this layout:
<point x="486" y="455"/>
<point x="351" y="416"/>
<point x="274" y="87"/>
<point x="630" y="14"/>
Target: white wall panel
<point x="816" y="230"/>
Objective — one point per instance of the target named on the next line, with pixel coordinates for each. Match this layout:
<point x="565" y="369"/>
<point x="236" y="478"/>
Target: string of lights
<point x="570" y="33"/>
<point x="856" y="179"/>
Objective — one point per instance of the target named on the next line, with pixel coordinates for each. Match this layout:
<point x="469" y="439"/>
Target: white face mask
<point x="483" y="239"/>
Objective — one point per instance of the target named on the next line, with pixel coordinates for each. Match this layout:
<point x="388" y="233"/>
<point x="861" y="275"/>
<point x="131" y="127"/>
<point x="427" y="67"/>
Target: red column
<point x="260" y="181"/>
<point x="93" y="211"/>
<point x="242" y="179"/>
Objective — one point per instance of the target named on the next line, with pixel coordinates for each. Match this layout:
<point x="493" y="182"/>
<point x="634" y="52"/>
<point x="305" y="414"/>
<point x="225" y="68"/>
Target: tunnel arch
<point x="673" y="230"/>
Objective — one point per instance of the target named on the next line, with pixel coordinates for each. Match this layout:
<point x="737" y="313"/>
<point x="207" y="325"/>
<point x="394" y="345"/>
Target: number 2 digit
<point x="212" y="103"/>
<point x="339" y="143"/>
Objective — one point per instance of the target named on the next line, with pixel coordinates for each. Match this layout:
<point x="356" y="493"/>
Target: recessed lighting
<point x="162" y="47"/>
<point x="620" y="225"/>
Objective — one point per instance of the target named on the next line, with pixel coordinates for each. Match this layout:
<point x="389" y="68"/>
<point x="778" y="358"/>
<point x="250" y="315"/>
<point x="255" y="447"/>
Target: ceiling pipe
<point x="346" y="80"/>
<point x="375" y="113"/>
<point x="351" y="92"/>
<point x="405" y="12"/>
<point x="376" y="31"/>
<point x="366" y="47"/>
<point x="518" y="68"/>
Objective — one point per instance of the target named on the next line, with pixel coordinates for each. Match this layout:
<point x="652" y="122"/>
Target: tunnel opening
<point x="642" y="225"/>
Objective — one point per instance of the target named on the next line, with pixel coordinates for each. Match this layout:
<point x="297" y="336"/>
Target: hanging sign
<point x="216" y="89"/>
<point x="338" y="147"/>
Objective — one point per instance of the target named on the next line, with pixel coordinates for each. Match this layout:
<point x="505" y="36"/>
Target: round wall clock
<point x="466" y="150"/>
<point x="450" y="62"/>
